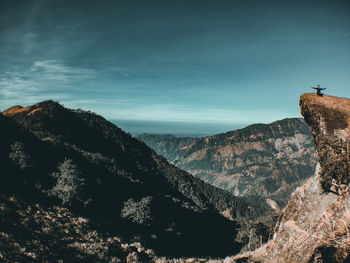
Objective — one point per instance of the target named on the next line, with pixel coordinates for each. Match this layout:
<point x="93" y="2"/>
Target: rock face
<point x="263" y="160"/>
<point x="315" y="225"/>
<point x="329" y="119"/>
<point x="76" y="188"/>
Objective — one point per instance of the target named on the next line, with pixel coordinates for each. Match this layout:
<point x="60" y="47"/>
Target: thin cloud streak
<point x="182" y="113"/>
<point x="45" y="79"/>
<point x="51" y="79"/>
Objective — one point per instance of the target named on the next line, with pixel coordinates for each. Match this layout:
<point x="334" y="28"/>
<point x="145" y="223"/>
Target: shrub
<point x="137" y="211"/>
<point x="19" y="155"/>
<point x="68" y="183"/>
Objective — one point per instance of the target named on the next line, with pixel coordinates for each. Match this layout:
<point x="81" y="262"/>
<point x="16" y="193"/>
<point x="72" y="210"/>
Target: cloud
<point x="41" y="80"/>
<point x="52" y="70"/>
<point x="52" y="79"/>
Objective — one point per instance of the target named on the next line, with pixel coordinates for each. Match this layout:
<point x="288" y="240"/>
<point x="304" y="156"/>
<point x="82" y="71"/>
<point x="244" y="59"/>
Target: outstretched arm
<point x="323" y="88"/>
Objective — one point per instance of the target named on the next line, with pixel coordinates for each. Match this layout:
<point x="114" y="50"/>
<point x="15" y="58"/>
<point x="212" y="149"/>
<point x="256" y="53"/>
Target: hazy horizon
<point x="176" y="128"/>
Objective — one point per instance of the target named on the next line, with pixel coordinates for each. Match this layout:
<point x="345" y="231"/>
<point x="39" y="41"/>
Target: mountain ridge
<point x="79" y="161"/>
<point x="273" y="155"/>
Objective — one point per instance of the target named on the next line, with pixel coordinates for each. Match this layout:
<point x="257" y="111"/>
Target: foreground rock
<point x="315" y="225"/>
<point x="329" y="119"/>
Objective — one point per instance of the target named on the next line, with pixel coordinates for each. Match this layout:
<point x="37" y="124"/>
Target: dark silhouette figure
<point x="318" y="92"/>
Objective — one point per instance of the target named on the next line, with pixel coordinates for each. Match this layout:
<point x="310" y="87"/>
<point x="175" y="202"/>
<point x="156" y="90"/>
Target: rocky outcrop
<point x="267" y="160"/>
<point x="329" y="119"/>
<point x="315" y="225"/>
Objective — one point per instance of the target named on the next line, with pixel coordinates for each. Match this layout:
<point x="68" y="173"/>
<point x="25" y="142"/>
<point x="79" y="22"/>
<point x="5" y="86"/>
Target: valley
<point x="265" y="160"/>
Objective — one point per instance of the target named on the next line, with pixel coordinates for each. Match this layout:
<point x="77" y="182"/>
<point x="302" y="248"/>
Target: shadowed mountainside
<point x="56" y="159"/>
<point x="267" y="160"/>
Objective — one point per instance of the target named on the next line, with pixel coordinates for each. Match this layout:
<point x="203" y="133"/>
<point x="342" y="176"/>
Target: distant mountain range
<point x="266" y="160"/>
<point x="74" y="187"/>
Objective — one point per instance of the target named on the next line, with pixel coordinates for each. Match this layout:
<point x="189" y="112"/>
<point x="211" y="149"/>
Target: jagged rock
<point x="329" y="119"/>
<point x="315" y="225"/>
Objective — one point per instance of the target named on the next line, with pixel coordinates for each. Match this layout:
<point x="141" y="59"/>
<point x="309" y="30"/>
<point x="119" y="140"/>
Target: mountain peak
<point x="13" y="110"/>
<point x="82" y="162"/>
<point x="29" y="110"/>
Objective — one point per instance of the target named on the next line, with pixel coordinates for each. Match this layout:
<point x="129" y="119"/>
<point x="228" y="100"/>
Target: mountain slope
<point x="77" y="160"/>
<point x="263" y="160"/>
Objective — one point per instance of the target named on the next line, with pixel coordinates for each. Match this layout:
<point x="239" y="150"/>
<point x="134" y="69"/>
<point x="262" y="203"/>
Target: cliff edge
<point x="315" y="225"/>
<point x="329" y="120"/>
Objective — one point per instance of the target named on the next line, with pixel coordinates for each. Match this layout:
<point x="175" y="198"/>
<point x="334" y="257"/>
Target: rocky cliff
<point x="267" y="160"/>
<point x="329" y="119"/>
<point x="315" y="225"/>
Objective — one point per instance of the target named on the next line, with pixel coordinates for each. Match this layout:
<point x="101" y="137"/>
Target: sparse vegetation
<point x="56" y="234"/>
<point x="68" y="182"/>
<point x="337" y="231"/>
<point x="19" y="156"/>
<point x="107" y="167"/>
<point x="138" y="212"/>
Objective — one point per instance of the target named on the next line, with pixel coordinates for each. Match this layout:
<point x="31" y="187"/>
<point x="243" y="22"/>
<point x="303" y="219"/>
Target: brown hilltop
<point x="29" y="110"/>
<point x="20" y="110"/>
<point x="13" y="110"/>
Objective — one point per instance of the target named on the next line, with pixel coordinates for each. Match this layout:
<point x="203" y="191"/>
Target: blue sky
<point x="215" y="62"/>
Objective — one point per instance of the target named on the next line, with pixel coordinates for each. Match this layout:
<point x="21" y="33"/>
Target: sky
<point x="211" y="65"/>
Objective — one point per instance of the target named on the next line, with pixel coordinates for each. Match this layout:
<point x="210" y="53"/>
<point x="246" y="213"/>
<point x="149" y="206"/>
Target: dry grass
<point x="304" y="235"/>
<point x="32" y="233"/>
<point x="339" y="233"/>
<point x="189" y="260"/>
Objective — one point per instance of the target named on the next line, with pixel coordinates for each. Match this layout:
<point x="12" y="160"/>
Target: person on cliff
<point x="318" y="92"/>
